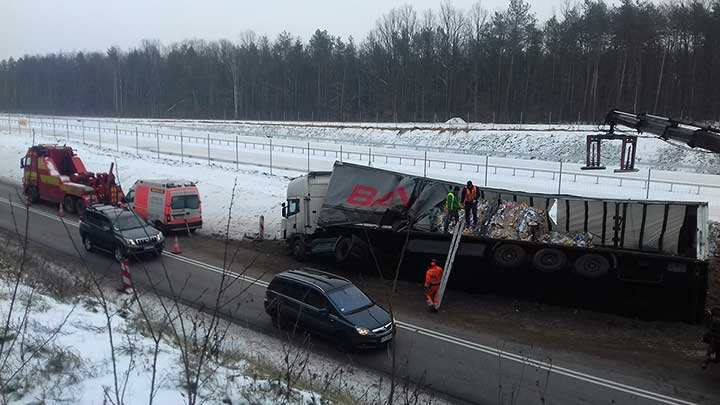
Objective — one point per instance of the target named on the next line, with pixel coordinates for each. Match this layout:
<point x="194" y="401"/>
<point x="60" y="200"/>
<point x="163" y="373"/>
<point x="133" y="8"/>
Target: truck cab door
<point x="293" y="225"/>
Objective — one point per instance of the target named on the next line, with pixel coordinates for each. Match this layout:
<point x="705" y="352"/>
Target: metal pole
<point x="560" y="178"/>
<point x="237" y="166"/>
<point x="425" y="165"/>
<point x="99" y="135"/>
<point x="54" y="127"/>
<point x="182" y="152"/>
<point x="369" y="155"/>
<point x="340" y="153"/>
<point x="486" y="168"/>
<point x="41" y="126"/>
<point x="308" y="155"/>
<point x="33" y="132"/>
<point x="271" y="162"/>
<point x="647" y="193"/>
<point x="137" y="145"/>
<point x="208" y="145"/>
<point x="117" y="141"/>
<point x="157" y="140"/>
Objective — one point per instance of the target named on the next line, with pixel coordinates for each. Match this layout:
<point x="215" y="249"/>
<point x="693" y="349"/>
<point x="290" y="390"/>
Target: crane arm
<point x="693" y="135"/>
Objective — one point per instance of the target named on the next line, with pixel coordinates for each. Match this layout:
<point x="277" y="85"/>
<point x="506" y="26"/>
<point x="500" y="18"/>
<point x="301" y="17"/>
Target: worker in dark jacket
<point x="470" y="198"/>
<point x="452" y="209"/>
<point x="433" y="275"/>
<point x="712" y="337"/>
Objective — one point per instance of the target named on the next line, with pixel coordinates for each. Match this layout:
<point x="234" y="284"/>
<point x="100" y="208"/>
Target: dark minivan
<point x="330" y="306"/>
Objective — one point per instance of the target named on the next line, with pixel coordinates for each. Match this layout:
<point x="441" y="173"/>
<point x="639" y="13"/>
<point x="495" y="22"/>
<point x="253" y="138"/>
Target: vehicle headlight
<point x="160" y="237"/>
<point x="362" y="331"/>
<point x="130" y="241"/>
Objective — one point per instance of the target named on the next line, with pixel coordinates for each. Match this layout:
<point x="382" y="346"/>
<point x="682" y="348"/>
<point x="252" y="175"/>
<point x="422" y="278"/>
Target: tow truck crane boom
<point x="691" y="134"/>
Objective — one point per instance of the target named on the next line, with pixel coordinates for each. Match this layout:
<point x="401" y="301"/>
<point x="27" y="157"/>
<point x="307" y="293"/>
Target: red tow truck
<point x="55" y="174"/>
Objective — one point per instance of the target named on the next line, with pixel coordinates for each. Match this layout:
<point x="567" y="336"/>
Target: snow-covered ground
<point x="475" y="140"/>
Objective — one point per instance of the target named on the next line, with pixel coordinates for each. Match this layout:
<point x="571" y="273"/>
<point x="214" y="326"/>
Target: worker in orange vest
<point x="433" y="275"/>
<point x="470" y="197"/>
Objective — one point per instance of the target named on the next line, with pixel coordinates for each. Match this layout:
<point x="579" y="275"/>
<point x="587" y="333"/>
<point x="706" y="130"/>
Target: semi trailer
<point x="355" y="209"/>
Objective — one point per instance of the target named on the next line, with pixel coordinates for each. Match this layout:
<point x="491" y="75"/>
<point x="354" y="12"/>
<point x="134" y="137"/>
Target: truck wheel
<point x="342" y="250"/>
<point x="592" y="266"/>
<point x="69" y="204"/>
<point x="79" y="206"/>
<point x="298" y="250"/>
<point x="33" y="195"/>
<point x="509" y="256"/>
<point x="549" y="260"/>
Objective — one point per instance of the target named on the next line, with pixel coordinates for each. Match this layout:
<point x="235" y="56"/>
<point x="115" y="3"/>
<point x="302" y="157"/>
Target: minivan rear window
<point x="349" y="299"/>
<point x="180" y="202"/>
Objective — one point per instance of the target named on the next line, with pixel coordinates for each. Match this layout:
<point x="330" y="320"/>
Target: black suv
<point x="330" y="306"/>
<point x="119" y="231"/>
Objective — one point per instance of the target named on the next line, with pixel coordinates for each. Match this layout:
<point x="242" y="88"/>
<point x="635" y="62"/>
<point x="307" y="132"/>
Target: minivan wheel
<point x="343" y="342"/>
<point x="87" y="244"/>
<point x="119" y="255"/>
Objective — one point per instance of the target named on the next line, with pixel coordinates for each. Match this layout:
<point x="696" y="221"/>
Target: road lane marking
<point x="427" y="332"/>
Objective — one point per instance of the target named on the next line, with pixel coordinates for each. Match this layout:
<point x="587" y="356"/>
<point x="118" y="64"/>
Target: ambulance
<point x="170" y="205"/>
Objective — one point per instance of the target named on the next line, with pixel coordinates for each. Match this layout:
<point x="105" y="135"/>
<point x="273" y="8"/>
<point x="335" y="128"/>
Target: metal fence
<point x="218" y="147"/>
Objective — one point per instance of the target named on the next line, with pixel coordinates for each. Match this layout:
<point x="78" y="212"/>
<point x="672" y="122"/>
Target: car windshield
<point x="185" y="202"/>
<point x="127" y="221"/>
<point x="349" y="299"/>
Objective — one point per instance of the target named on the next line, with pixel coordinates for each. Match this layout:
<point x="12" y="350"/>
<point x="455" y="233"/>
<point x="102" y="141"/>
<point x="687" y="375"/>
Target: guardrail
<point x="98" y="134"/>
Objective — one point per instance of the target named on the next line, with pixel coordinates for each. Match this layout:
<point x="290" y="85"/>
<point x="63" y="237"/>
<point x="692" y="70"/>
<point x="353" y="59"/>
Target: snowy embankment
<point x="256" y="192"/>
<point x="533" y="142"/>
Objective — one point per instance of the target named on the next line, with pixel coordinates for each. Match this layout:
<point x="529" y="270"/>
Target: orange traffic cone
<point x="176" y="246"/>
<point x="61" y="211"/>
<point x="125" y="277"/>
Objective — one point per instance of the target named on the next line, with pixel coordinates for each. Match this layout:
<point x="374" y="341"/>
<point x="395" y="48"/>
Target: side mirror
<point x="105" y="228"/>
<point x="324" y="311"/>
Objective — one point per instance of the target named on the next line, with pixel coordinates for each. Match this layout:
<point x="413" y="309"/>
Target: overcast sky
<point x="44" y="26"/>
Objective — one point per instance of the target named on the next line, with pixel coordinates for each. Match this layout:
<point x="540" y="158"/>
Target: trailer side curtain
<point x="639" y="226"/>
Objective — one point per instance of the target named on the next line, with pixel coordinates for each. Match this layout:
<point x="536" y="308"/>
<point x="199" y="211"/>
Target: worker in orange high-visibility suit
<point x="432" y="285"/>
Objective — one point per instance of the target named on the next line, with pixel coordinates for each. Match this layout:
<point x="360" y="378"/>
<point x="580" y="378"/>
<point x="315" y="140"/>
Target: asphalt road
<point x="462" y="370"/>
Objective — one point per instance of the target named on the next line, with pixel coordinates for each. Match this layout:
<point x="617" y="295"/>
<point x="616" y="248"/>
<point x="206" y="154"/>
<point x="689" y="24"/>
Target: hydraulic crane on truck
<point x="691" y="134"/>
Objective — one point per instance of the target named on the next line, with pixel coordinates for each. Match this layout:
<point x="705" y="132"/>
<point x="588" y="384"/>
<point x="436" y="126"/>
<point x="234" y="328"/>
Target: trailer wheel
<point x="509" y="256"/>
<point x="69" y="204"/>
<point x="549" y="260"/>
<point x="298" y="249"/>
<point x="342" y="250"/>
<point x="32" y="194"/>
<point x="592" y="266"/>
